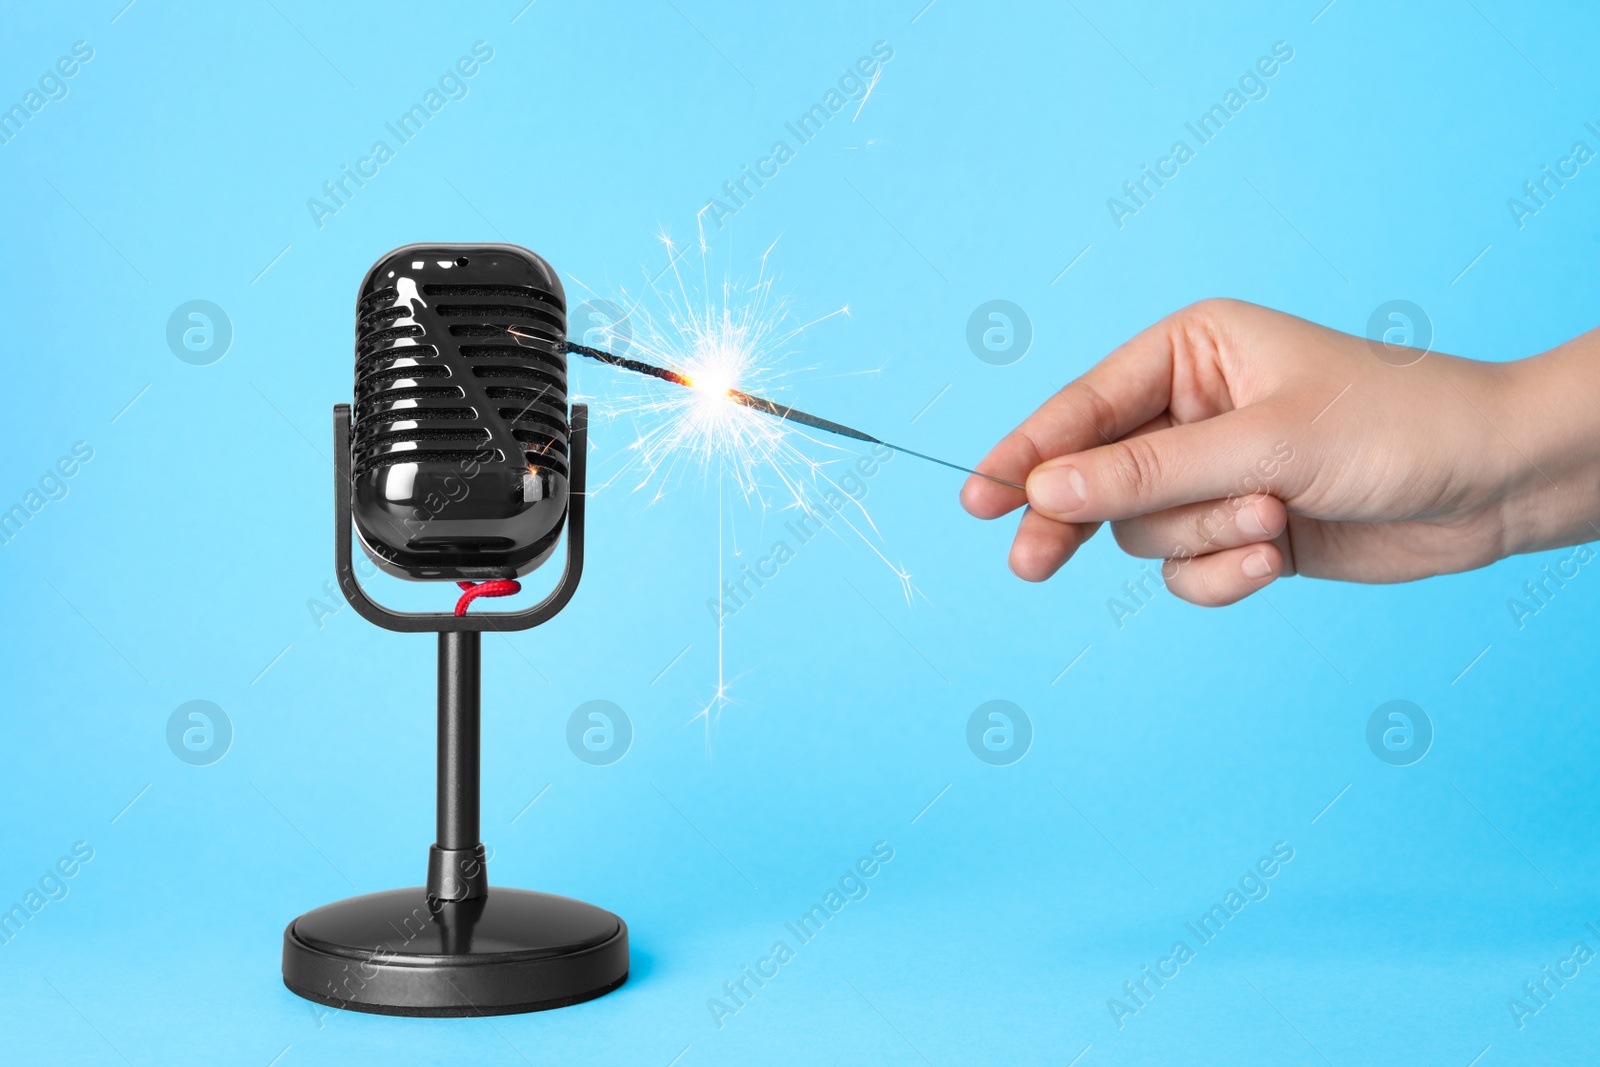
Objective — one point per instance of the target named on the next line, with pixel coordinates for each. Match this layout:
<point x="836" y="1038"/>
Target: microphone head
<point x="459" y="430"/>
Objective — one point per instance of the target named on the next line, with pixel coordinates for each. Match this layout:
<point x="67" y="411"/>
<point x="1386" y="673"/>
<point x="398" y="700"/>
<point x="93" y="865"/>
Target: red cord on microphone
<point x="474" y="590"/>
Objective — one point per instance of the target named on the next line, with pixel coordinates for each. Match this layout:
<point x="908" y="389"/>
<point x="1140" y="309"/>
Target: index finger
<point x="1122" y="392"/>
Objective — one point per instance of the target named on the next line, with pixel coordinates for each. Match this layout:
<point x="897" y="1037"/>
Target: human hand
<point x="1240" y="444"/>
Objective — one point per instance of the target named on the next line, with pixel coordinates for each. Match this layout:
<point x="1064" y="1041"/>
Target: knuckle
<point x="1208" y="526"/>
<point x="1022" y="441"/>
<point x="1213" y="307"/>
<point x="1197" y="585"/>
<point x="1135" y="466"/>
<point x="1203" y="328"/>
<point x="1094" y="406"/>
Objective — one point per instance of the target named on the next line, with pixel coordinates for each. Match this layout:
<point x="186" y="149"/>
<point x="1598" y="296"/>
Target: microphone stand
<point x="454" y="947"/>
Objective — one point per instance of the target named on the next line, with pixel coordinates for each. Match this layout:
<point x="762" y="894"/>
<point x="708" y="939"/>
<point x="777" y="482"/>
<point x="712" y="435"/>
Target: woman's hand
<point x="1240" y="444"/>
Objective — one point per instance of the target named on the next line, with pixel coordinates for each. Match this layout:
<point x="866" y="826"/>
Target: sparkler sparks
<point x="716" y="385"/>
<point x="710" y="341"/>
<point x="721" y="349"/>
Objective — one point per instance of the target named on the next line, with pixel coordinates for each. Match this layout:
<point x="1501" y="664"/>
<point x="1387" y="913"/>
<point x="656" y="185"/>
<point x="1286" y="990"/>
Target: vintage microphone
<point x="460" y="464"/>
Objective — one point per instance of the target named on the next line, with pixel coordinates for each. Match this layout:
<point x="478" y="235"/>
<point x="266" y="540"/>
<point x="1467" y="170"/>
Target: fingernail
<point x="1249" y="521"/>
<point x="1255" y="566"/>
<point x="1058" y="490"/>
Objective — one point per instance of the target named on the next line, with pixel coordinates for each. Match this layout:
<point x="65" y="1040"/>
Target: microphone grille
<point x="442" y="386"/>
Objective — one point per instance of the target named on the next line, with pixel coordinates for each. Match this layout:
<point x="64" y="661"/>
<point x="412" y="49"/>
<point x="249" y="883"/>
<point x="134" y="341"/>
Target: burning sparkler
<point x="716" y="388"/>
<point x="719" y="348"/>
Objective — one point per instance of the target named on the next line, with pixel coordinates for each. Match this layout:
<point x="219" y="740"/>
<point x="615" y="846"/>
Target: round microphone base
<point x="400" y="953"/>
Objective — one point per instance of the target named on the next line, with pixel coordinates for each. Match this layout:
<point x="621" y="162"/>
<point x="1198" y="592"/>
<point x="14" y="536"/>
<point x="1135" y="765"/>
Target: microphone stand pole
<point x="413" y="951"/>
<point x="456" y="862"/>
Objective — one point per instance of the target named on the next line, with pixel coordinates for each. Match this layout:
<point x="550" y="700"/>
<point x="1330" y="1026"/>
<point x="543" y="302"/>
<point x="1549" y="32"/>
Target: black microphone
<point x="460" y="432"/>
<point x="459" y="460"/>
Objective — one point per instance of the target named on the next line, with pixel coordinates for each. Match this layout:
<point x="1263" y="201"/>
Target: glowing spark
<point x="717" y="385"/>
<point x="721" y="347"/>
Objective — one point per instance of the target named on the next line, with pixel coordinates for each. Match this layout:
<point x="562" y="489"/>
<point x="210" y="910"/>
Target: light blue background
<point x="1180" y="747"/>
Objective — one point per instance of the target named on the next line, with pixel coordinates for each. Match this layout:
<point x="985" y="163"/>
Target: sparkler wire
<point x="762" y="404"/>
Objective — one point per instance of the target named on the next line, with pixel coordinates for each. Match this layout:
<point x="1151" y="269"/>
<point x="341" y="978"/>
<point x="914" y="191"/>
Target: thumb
<point x="1228" y="455"/>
